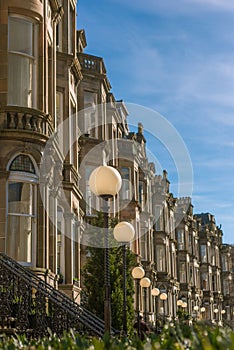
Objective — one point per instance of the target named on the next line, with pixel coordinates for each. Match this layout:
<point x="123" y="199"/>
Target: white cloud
<point x="225" y="5"/>
<point x="169" y="7"/>
<point x="187" y="72"/>
<point x="215" y="163"/>
<point x="223" y="118"/>
<point x="207" y="80"/>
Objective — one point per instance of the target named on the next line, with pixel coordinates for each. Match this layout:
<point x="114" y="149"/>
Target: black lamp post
<point x="145" y="283"/>
<point x="203" y="310"/>
<point x="155" y="293"/>
<point x="105" y="182"/>
<point x="138" y="273"/>
<point x="124" y="233"/>
<point x="163" y="297"/>
<point x="196" y="309"/>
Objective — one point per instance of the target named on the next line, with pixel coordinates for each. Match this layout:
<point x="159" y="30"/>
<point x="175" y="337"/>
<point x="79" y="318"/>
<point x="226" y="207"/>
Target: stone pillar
<point x="68" y="248"/>
<point x="3" y="224"/>
<point x="53" y="232"/>
<point x="43" y="228"/>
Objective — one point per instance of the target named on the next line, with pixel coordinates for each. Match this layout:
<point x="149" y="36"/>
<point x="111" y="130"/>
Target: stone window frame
<point x="29" y="178"/>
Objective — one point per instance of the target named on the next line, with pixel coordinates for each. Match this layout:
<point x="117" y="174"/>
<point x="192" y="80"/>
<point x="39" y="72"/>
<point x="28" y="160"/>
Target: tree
<point x="93" y="279"/>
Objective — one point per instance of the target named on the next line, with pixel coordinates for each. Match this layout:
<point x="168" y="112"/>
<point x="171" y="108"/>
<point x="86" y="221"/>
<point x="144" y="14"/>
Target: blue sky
<point x="177" y="58"/>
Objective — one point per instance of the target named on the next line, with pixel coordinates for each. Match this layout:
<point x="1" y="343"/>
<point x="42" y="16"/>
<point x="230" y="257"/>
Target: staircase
<point x="30" y="305"/>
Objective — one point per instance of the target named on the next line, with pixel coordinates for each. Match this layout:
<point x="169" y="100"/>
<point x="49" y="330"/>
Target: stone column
<point x="3" y="204"/>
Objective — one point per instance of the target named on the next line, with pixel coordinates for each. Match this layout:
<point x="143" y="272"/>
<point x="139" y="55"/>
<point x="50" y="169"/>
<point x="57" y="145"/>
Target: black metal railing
<point x="29" y="304"/>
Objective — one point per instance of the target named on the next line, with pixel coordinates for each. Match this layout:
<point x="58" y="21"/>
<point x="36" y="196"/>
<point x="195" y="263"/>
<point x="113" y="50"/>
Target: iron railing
<point x="28" y="304"/>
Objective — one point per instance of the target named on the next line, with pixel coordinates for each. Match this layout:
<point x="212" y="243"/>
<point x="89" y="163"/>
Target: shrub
<point x="174" y="337"/>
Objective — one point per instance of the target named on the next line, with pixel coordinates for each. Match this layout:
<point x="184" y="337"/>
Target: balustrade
<point x="92" y="63"/>
<point x="13" y="118"/>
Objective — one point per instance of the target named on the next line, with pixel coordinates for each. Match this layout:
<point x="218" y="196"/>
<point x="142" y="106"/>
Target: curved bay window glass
<point x="180" y="239"/>
<point x="21" y="209"/>
<point x="125" y="189"/>
<point x="22" y="57"/>
<point x="161" y="257"/>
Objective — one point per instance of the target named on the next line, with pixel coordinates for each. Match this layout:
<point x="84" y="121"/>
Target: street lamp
<point x="138" y="273"/>
<point x="196" y="308"/>
<point x="145" y="283"/>
<point x="216" y="310"/>
<point x="105" y="182"/>
<point x="179" y="302"/>
<point x="163" y="297"/>
<point x="124" y="233"/>
<point x="223" y="312"/>
<point x="202" y="309"/>
<point x="155" y="293"/>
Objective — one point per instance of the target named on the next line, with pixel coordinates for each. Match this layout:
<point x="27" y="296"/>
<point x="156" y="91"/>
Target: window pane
<point x="20" y="74"/>
<point x="20" y="35"/>
<point x="224" y="263"/>
<point x="225" y="287"/>
<point x="19" y="238"/>
<point x="22" y="163"/>
<point x="90" y="199"/>
<point x="160" y="258"/>
<point x="71" y="28"/>
<point x="182" y="273"/>
<point x="90" y="114"/>
<point x="203" y="253"/>
<point x="60" y="232"/>
<point x="180" y="239"/>
<point x="20" y="198"/>
<point x="158" y="218"/>
<point x="205" y="285"/>
<point x="125" y="189"/>
<point x="22" y="54"/>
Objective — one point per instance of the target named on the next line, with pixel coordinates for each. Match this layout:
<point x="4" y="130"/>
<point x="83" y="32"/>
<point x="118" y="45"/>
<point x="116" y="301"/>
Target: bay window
<point x="205" y="282"/>
<point x="90" y="113"/>
<point x="161" y="258"/>
<point x="59" y="117"/>
<point x="22" y="56"/>
<point x="226" y="287"/>
<point x="125" y="189"/>
<point x="92" y="201"/>
<point x="182" y="268"/>
<point x="203" y="252"/>
<point x="180" y="239"/>
<point x="224" y="260"/>
<point x="158" y="217"/>
<point x="60" y="243"/>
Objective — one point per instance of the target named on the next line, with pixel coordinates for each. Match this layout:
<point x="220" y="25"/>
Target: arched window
<point x="22" y="163"/>
<point x="21" y="209"/>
